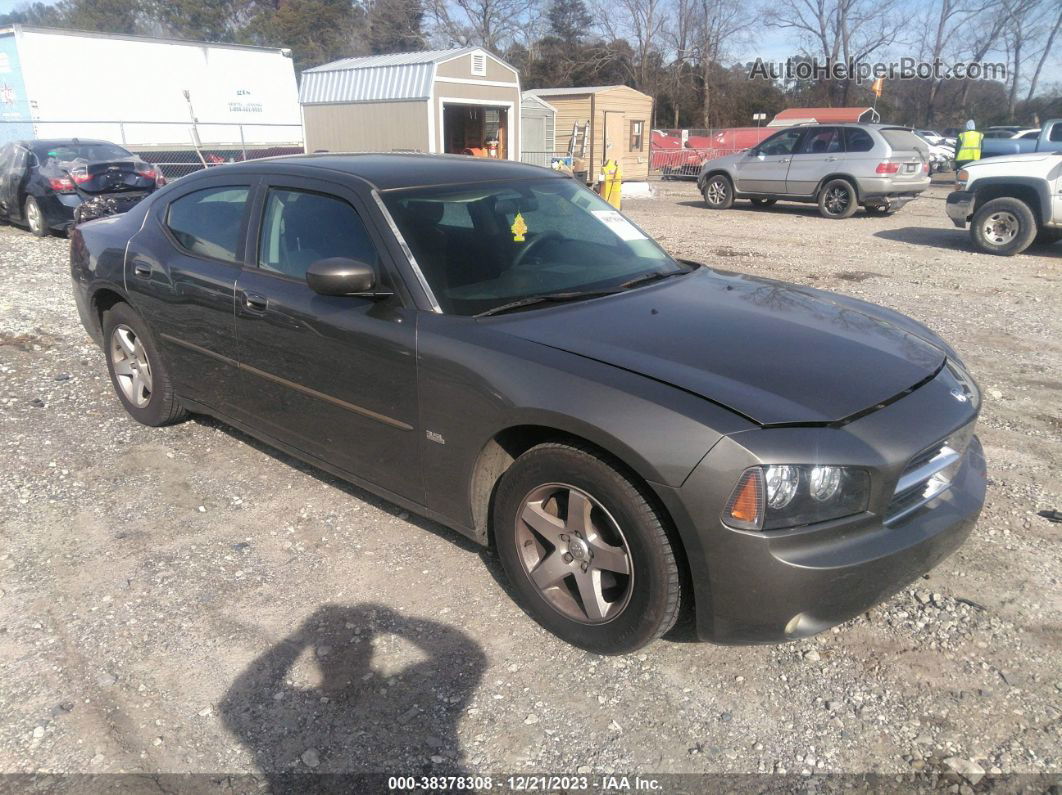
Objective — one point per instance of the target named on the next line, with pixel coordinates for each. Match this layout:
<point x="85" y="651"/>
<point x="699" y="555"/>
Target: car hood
<point x="773" y="352"/>
<point x="998" y="160"/>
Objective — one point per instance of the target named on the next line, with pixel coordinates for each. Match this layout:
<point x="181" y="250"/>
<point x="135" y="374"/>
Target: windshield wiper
<point x="545" y="298"/>
<point x="652" y="276"/>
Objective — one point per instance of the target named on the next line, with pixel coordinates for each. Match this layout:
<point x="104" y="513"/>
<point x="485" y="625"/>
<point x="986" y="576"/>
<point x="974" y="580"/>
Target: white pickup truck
<point x="1010" y="201"/>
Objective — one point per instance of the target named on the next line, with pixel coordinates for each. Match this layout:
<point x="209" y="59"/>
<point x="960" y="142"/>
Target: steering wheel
<point x="533" y="244"/>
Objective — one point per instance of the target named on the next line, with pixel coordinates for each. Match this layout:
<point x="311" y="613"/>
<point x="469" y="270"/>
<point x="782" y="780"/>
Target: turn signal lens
<point x="744" y="509"/>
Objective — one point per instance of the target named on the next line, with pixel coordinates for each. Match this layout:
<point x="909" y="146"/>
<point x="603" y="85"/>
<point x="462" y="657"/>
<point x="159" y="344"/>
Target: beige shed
<point x="461" y="101"/>
<point x="619" y="120"/>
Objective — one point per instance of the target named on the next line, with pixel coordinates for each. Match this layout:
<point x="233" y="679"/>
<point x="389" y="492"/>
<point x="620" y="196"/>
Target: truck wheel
<point x="1004" y="227"/>
<point x="588" y="556"/>
<point x="718" y="192"/>
<point x="838" y="199"/>
<point x="35" y="218"/>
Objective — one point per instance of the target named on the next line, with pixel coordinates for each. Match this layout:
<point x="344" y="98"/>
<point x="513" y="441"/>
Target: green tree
<point x="317" y="31"/>
<point x="569" y="20"/>
<point x="106" y="16"/>
<point x="395" y="26"/>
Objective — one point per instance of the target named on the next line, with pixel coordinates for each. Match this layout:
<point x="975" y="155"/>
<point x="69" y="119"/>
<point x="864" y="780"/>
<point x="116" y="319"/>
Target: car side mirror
<point x="342" y="276"/>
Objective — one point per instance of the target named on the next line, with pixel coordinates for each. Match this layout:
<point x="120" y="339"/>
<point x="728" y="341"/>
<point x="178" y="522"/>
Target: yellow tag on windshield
<point x="519" y="228"/>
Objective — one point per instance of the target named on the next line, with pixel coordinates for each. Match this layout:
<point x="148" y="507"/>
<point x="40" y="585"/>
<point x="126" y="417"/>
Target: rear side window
<point x="300" y="228"/>
<point x="903" y="140"/>
<point x="208" y="222"/>
<point x="857" y="140"/>
<point x="1056" y="133"/>
<point x="821" y="141"/>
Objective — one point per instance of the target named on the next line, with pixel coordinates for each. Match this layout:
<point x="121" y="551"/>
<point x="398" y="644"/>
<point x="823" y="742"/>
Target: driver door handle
<point x="141" y="269"/>
<point x="784" y="160"/>
<point x="255" y="302"/>
<point x="831" y="159"/>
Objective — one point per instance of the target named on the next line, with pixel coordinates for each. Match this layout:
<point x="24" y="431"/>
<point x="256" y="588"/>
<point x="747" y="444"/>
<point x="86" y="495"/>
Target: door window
<point x="7" y="157"/>
<point x="784" y="143"/>
<point x="822" y="141"/>
<point x="208" y="222"/>
<point x="300" y="228"/>
<point x="857" y="140"/>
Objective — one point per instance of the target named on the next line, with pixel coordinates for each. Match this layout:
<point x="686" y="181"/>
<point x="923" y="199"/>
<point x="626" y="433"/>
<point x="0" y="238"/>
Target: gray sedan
<point x="493" y="346"/>
<point x="839" y="167"/>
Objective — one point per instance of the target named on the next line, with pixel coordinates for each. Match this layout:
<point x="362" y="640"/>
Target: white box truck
<point x="144" y="92"/>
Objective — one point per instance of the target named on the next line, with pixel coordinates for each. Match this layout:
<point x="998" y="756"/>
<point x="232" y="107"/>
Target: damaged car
<point x="50" y="185"/>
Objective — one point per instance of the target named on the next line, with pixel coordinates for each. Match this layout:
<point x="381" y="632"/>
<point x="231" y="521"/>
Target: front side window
<point x="208" y="222"/>
<point x="300" y="228"/>
<point x="524" y="239"/>
<point x="637" y="127"/>
<point x="784" y="143"/>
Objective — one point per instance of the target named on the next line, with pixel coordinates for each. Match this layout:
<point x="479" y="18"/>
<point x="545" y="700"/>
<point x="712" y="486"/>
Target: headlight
<point x="963" y="387"/>
<point x="790" y="495"/>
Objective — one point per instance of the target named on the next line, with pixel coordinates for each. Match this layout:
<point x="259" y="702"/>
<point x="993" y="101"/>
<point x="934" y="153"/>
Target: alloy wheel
<point x="837" y="201"/>
<point x="1001" y="228"/>
<point x="715" y="191"/>
<point x="574" y="553"/>
<point x="33" y="217"/>
<point x="132" y="370"/>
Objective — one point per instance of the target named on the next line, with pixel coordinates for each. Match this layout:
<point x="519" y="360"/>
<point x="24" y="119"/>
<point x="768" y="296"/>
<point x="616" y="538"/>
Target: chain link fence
<point x="176" y="148"/>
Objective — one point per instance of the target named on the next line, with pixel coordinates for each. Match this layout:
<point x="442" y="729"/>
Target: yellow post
<point x="611" y="180"/>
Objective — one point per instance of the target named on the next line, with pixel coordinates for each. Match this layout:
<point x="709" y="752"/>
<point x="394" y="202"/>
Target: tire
<point x="838" y="199"/>
<point x="1004" y="227"/>
<point x="625" y="610"/>
<point x="130" y="350"/>
<point x="718" y="192"/>
<point x="35" y="220"/>
<point x="763" y="202"/>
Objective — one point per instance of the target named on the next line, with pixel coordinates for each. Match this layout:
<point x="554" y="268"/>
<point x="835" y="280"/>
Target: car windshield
<point x="484" y="246"/>
<point x="74" y="150"/>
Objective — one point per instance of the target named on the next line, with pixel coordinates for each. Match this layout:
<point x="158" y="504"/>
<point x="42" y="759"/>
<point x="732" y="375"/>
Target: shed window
<point x="479" y="63"/>
<point x="636" y="135"/>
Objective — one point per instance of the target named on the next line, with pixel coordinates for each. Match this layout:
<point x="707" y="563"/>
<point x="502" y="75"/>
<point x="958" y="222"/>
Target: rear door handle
<point x="784" y="160"/>
<point x="142" y="270"/>
<point x="255" y="302"/>
<point x="831" y="159"/>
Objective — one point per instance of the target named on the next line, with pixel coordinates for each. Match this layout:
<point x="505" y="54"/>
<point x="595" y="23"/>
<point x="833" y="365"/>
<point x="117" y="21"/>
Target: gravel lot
<point x="188" y="600"/>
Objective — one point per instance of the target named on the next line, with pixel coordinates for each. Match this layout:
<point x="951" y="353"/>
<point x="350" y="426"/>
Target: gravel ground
<point x="188" y="600"/>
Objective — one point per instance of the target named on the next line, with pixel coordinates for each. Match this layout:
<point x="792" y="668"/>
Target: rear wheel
<point x="837" y="199"/>
<point x="718" y="192"/>
<point x="763" y="202"/>
<point x="35" y="218"/>
<point x="587" y="555"/>
<point x="138" y="374"/>
<point x="1004" y="226"/>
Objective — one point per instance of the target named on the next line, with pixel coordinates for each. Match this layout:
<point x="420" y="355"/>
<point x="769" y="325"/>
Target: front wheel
<point x="588" y="556"/>
<point x="718" y="192"/>
<point x="35" y="218"/>
<point x="1004" y="227"/>
<point x="138" y="374"/>
<point x="837" y="199"/>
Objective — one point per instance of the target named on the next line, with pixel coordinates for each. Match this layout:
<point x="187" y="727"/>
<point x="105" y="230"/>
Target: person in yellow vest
<point x="968" y="147"/>
<point x="610" y="181"/>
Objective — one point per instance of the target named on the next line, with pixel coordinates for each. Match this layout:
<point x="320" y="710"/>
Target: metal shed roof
<point x="547" y="92"/>
<point x="376" y="78"/>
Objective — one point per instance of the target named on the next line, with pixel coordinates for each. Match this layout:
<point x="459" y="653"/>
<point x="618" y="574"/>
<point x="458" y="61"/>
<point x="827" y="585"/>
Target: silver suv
<point x="839" y="166"/>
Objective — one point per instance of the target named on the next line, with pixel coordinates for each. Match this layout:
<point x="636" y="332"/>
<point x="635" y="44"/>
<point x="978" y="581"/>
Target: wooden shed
<point x="455" y="101"/>
<point x="619" y="119"/>
<point x="537" y="130"/>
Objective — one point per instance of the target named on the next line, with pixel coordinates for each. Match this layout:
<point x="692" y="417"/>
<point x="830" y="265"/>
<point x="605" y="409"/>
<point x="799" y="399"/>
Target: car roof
<point x="62" y="141"/>
<point x="391" y="171"/>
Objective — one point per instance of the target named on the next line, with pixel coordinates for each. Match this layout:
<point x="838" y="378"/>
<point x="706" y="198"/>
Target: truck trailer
<point x="145" y="92"/>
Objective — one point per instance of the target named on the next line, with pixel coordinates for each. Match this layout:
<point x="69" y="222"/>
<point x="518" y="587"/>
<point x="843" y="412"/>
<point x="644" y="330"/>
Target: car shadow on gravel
<point x="951" y="239"/>
<point x="782" y="208"/>
<point x="358" y="718"/>
<point x="348" y="488"/>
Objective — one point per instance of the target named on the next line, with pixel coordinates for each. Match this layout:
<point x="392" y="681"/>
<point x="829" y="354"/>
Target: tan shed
<point x="619" y="119"/>
<point x="463" y="101"/>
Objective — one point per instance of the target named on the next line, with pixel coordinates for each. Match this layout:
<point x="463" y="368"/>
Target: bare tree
<point x="943" y="20"/>
<point x="491" y="24"/>
<point x="716" y="23"/>
<point x="1022" y="29"/>
<point x="640" y="21"/>
<point x="1044" y="54"/>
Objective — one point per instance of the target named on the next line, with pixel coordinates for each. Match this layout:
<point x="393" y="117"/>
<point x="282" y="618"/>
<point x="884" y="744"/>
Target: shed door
<point x="533" y="135"/>
<point x="613" y="135"/>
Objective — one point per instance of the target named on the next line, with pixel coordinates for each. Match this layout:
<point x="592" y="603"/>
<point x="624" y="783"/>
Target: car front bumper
<point x="959" y="207"/>
<point x="768" y="587"/>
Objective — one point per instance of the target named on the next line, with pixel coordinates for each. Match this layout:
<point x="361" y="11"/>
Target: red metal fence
<point x="678" y="154"/>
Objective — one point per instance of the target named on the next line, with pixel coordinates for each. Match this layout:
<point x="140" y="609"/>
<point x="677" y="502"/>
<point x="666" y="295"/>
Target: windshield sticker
<point x="519" y="228"/>
<point x="621" y="227"/>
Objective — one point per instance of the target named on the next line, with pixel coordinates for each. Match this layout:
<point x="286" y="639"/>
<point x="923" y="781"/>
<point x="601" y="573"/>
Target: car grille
<point x="928" y="474"/>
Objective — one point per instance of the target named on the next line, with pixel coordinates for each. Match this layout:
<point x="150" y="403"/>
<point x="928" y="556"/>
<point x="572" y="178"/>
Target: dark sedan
<point x="48" y="185"/>
<point x="496" y="348"/>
